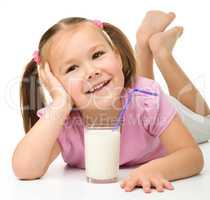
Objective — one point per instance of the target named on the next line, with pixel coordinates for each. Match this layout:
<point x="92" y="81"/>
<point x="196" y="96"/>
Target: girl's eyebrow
<point x="91" y="49"/>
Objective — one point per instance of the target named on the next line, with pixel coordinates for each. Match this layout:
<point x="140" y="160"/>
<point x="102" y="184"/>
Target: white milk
<point x="102" y="151"/>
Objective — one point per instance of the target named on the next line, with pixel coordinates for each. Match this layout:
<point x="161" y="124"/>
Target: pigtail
<point x="31" y="95"/>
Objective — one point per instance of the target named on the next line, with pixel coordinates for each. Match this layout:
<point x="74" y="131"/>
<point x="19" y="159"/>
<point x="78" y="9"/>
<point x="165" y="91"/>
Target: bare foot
<point x="153" y="22"/>
<point x="161" y="44"/>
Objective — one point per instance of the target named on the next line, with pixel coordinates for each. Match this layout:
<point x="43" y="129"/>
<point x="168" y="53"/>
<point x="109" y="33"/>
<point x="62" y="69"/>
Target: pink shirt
<point x="146" y="118"/>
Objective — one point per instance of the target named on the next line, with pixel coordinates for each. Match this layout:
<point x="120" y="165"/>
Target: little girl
<point x="89" y="69"/>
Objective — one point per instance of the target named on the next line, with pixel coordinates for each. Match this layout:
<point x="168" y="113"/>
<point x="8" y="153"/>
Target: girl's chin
<point x="105" y="103"/>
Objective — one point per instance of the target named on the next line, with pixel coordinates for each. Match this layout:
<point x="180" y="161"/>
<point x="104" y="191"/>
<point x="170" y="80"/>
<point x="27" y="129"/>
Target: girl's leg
<point x="153" y="22"/>
<point x="179" y="85"/>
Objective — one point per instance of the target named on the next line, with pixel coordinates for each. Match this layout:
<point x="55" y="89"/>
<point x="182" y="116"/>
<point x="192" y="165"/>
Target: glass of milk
<point x="102" y="152"/>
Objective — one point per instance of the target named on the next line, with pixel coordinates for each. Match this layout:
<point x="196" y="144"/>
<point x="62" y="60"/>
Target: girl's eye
<point x="71" y="68"/>
<point x="98" y="54"/>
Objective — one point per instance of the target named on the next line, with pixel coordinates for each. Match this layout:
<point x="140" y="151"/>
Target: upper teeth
<point x="98" y="86"/>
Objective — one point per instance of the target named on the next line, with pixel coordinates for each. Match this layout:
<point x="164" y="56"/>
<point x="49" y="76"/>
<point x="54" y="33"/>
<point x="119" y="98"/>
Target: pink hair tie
<point x="36" y="57"/>
<point x="98" y="23"/>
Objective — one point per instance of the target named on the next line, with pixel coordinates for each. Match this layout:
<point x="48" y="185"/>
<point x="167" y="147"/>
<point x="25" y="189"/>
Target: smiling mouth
<point x="99" y="88"/>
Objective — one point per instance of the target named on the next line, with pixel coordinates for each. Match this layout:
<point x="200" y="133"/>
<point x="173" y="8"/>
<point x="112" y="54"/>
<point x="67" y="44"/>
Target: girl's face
<point x="82" y="59"/>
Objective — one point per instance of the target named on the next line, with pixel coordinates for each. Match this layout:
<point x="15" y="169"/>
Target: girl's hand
<point x="53" y="85"/>
<point x="146" y="178"/>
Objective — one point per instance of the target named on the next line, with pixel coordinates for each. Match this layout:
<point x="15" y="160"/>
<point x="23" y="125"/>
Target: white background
<point x="23" y="22"/>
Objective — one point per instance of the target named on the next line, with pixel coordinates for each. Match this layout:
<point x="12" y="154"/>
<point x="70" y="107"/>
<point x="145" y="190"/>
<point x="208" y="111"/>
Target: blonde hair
<point x="32" y="95"/>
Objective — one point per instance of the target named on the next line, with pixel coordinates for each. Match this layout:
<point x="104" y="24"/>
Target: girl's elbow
<point x="199" y="160"/>
<point x="24" y="172"/>
<point x="24" y="177"/>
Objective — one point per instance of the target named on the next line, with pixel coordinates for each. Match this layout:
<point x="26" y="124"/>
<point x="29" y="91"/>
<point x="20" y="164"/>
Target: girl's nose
<point x="93" y="72"/>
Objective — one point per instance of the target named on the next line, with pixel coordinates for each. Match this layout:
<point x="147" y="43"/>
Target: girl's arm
<point x="39" y="148"/>
<point x="184" y="158"/>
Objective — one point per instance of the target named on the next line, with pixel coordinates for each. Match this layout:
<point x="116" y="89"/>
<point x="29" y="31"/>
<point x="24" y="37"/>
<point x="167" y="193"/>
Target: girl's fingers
<point x="47" y="75"/>
<point x="50" y="76"/>
<point x="146" y="185"/>
<point x="167" y="184"/>
<point x="47" y="69"/>
<point x="156" y="182"/>
<point x="122" y="184"/>
<point x="41" y="74"/>
<point x="130" y="184"/>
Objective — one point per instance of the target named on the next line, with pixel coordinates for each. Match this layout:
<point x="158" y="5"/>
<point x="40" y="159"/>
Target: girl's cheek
<point x="114" y="63"/>
<point x="75" y="87"/>
<point x="111" y="66"/>
<point x="72" y="86"/>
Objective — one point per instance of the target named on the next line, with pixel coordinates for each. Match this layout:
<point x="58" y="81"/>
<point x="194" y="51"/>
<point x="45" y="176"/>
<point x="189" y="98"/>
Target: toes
<point x="179" y="30"/>
<point x="172" y="15"/>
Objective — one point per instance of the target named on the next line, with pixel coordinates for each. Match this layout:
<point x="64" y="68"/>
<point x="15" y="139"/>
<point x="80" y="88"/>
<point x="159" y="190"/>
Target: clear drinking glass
<point x="102" y="152"/>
